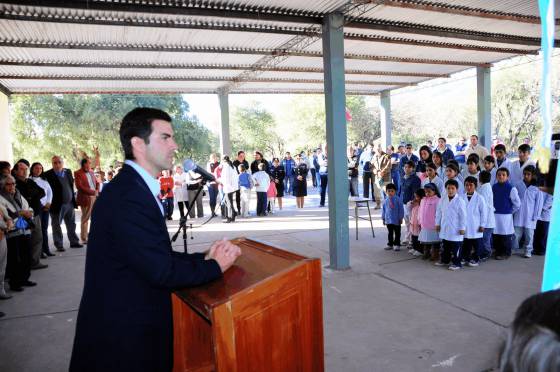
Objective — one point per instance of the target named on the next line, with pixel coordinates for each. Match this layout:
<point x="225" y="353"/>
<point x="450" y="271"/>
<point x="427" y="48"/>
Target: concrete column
<point x="225" y="143"/>
<point x="386" y="120"/>
<point x="335" y="103"/>
<point x="6" y="150"/>
<point x="484" y="106"/>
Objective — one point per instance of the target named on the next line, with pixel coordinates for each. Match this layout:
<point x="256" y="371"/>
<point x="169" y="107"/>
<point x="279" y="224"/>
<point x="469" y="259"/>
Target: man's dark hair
<point x="240" y="152"/>
<point x="484" y="176"/>
<point x="138" y="123"/>
<point x="452" y="183"/>
<point x="24" y="161"/>
<point x="500" y="147"/>
<point x="475" y="136"/>
<point x="443" y="139"/>
<point x="83" y="162"/>
<point x="391" y="186"/>
<point x="524" y="148"/>
<point x="4" y="165"/>
<point x="471" y="179"/>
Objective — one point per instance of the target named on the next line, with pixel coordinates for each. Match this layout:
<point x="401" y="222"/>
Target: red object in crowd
<point x="166" y="185"/>
<point x="348" y="114"/>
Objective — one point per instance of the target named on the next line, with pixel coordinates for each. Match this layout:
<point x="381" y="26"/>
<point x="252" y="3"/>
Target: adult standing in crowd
<point x="289" y="164"/>
<point x="259" y="159"/>
<point x="300" y="181"/>
<point x="125" y="317"/>
<point x="365" y="167"/>
<point x="63" y="203"/>
<point x="395" y="160"/>
<point x="475" y="148"/>
<point x="312" y="162"/>
<point x="425" y="158"/>
<point x="33" y="194"/>
<point x="6" y="224"/>
<point x="88" y="189"/>
<point x="166" y="193"/>
<point x="444" y="150"/>
<point x="460" y="148"/>
<point x="278" y="174"/>
<point x="353" y="174"/>
<point x="408" y="156"/>
<point x="229" y="179"/>
<point x="213" y="185"/>
<point x="18" y="268"/>
<point x="194" y="182"/>
<point x="240" y="160"/>
<point x="179" y="190"/>
<point x="38" y="176"/>
<point x="381" y="170"/>
<point x="323" y="174"/>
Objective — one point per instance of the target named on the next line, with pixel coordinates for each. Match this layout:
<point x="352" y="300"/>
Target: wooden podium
<point x="265" y="314"/>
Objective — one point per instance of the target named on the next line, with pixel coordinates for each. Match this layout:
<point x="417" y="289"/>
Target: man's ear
<point x="138" y="144"/>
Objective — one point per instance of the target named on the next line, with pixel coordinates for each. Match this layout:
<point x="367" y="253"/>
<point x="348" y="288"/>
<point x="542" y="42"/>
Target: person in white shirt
<point x="472" y="168"/>
<point x="525" y="219"/>
<point x="180" y="190"/>
<point x="432" y="177"/>
<point x="451" y="223"/>
<point x="502" y="161"/>
<point x="262" y="181"/>
<point x="517" y="166"/>
<point x="229" y="179"/>
<point x="477" y="214"/>
<point x="37" y="176"/>
<point x="485" y="190"/>
<point x="490" y="167"/>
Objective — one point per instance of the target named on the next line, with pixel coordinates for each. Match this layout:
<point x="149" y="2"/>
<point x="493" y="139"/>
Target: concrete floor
<point x="390" y="312"/>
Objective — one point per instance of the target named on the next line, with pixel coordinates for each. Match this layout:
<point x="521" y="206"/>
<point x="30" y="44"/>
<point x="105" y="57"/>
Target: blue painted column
<point x="335" y="103"/>
<point x="225" y="143"/>
<point x="385" y="116"/>
<point x="484" y="106"/>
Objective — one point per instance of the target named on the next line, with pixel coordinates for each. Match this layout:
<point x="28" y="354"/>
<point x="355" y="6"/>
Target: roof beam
<point x="168" y="8"/>
<point x="214" y="67"/>
<point x="456" y="33"/>
<point x="5" y="90"/>
<point x="458" y="10"/>
<point x="189" y="78"/>
<point x="245" y="51"/>
<point x="434" y="44"/>
<point x="197" y="91"/>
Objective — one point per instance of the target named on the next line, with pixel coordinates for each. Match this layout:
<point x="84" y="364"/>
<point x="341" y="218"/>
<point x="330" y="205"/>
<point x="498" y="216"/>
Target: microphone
<point x="190" y="165"/>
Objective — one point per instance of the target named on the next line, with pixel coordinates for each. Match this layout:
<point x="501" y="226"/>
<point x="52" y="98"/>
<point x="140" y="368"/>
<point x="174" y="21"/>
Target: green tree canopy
<point x="69" y="125"/>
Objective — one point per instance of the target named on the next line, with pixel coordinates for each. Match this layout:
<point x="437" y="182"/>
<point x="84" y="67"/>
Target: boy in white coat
<point x="525" y="219"/>
<point x="451" y="223"/>
<point x="473" y="248"/>
<point x="485" y="190"/>
<point x="502" y="161"/>
<point x="518" y="166"/>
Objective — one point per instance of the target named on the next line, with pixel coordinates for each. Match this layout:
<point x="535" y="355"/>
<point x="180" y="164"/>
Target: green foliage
<point x="254" y="129"/>
<point x="365" y="125"/>
<point x="69" y="125"/>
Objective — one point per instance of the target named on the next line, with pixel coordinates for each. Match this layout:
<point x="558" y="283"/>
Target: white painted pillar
<point x="386" y="121"/>
<point x="6" y="150"/>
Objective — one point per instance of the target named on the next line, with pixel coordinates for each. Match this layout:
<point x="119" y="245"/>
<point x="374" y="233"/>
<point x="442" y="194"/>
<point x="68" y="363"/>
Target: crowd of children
<point x="456" y="218"/>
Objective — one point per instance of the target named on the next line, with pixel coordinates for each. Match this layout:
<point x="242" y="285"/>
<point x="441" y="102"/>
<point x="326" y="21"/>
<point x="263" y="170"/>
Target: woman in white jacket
<point x="229" y="179"/>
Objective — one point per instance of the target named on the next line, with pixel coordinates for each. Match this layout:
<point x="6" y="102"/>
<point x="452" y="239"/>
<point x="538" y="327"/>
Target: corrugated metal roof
<point x="251" y="45"/>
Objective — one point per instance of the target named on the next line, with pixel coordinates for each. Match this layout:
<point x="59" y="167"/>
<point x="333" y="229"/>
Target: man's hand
<point x="26" y="214"/>
<point x="461" y="232"/>
<point x="438" y="228"/>
<point x="481" y="229"/>
<point x="224" y="252"/>
<point x="10" y="224"/>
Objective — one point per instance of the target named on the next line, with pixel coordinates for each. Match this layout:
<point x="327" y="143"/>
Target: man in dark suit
<point x="63" y="203"/>
<point x="125" y="318"/>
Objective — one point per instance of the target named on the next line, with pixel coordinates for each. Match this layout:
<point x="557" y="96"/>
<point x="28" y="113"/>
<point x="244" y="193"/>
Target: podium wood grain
<point x="265" y="314"/>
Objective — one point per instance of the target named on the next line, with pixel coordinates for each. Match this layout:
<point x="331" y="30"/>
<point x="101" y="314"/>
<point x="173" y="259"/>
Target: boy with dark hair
<point x="485" y="190"/>
<point x="392" y="215"/>
<point x="506" y="203"/>
<point x="518" y="166"/>
<point x="473" y="249"/>
<point x="451" y="222"/>
<point x="501" y="160"/>
<point x="525" y="219"/>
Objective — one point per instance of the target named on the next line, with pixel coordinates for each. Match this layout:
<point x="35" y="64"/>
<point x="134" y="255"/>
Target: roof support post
<point x="6" y="150"/>
<point x="484" y="106"/>
<point x="225" y="142"/>
<point x="386" y="120"/>
<point x="335" y="103"/>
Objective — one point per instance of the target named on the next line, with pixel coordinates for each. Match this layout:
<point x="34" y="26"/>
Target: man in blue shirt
<point x="289" y="165"/>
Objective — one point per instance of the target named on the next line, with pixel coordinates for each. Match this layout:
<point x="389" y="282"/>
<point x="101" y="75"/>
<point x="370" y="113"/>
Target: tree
<point x="71" y="125"/>
<point x="365" y="125"/>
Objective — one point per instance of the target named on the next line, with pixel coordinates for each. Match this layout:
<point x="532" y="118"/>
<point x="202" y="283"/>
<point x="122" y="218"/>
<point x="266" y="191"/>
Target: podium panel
<point x="265" y="314"/>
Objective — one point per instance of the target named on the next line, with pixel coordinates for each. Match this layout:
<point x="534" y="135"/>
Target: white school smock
<point x="531" y="207"/>
<point x="477" y="212"/>
<point x="516" y="170"/>
<point x="451" y="217"/>
<point x="436" y="181"/>
<point x="505" y="164"/>
<point x="485" y="191"/>
<point x="504" y="222"/>
<point x="547" y="206"/>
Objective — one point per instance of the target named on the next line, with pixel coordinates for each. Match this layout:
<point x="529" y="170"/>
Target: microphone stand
<point x="183" y="221"/>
